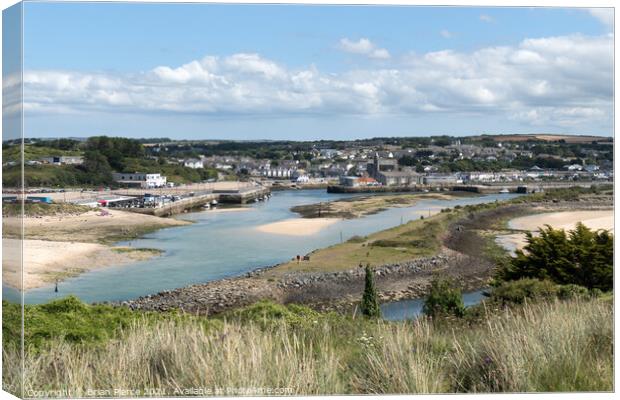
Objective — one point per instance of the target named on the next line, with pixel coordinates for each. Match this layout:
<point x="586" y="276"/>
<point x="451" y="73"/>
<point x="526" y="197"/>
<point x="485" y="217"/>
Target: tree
<point x="442" y="141"/>
<point x="444" y="299"/>
<point x="581" y="256"/>
<point x="370" y="299"/>
<point x="407" y="161"/>
<point x="96" y="168"/>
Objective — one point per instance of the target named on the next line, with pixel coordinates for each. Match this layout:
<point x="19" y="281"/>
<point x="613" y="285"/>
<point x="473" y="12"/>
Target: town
<point x="489" y="163"/>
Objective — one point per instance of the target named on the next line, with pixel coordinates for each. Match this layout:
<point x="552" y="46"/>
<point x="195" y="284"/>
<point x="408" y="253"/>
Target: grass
<point x="71" y="321"/>
<point x="359" y="206"/>
<point x="43" y="209"/>
<point x="414" y="239"/>
<point x="549" y="346"/>
<point x="13" y="153"/>
<point x="140" y="252"/>
<point x="54" y="176"/>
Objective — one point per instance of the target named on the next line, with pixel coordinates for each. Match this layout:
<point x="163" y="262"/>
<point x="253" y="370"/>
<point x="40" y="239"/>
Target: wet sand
<point x="92" y="226"/>
<point x="46" y="261"/>
<point x="297" y="226"/>
<point x="64" y="245"/>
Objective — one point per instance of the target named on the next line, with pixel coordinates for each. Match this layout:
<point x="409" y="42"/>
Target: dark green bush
<point x="582" y="257"/>
<point x="571" y="291"/>
<point x="357" y="239"/>
<point x="445" y="298"/>
<point x="517" y="292"/>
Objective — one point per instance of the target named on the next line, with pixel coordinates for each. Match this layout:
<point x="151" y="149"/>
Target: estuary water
<point x="412" y="309"/>
<point x="225" y="244"/>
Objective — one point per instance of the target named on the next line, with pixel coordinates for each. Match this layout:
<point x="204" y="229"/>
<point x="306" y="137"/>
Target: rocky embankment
<point x="325" y="290"/>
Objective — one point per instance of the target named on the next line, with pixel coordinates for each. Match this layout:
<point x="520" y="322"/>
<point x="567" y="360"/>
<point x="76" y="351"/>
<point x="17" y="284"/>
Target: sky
<point x="197" y="71"/>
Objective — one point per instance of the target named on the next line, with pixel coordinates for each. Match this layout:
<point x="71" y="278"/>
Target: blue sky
<point x="308" y="72"/>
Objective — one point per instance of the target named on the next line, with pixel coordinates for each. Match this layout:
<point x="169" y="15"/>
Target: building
<point x="278" y="173"/>
<point x="399" y="178"/>
<point x="367" y="181"/>
<point x="380" y="165"/>
<point x="64" y="160"/>
<point x="442" y="179"/>
<point x="144" y="181"/>
<point x="388" y="172"/>
<point x="349" y="181"/>
<point x="329" y="153"/>
<point x="193" y="163"/>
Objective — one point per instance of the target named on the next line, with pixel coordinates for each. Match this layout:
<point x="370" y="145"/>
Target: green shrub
<point x="517" y="292"/>
<point x="444" y="299"/>
<point x="581" y="256"/>
<point x="357" y="239"/>
<point x="267" y="312"/>
<point x="71" y="320"/>
<point x="370" y="299"/>
<point x="566" y="292"/>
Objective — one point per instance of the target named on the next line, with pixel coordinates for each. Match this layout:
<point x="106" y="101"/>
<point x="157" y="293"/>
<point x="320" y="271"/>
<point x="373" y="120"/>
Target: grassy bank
<point x="360" y="206"/>
<point x="43" y="209"/>
<point x="414" y="239"/>
<point x="549" y="346"/>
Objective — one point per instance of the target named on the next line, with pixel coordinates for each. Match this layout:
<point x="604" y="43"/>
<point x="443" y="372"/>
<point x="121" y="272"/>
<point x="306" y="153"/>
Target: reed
<point x="551" y="346"/>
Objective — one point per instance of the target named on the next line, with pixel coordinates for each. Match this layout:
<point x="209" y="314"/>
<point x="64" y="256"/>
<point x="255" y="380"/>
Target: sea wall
<point x="324" y="290"/>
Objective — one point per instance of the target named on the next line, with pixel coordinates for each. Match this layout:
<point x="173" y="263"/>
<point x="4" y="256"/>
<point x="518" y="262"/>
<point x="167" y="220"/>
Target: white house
<point x="145" y="181"/>
<point x="302" y="179"/>
<point x="193" y="163"/>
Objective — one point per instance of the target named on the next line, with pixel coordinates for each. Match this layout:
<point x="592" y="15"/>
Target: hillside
<point x="300" y="351"/>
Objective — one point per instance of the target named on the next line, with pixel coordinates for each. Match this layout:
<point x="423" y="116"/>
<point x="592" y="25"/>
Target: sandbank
<point x="599" y="219"/>
<point x="297" y="226"/>
<point x="47" y="261"/>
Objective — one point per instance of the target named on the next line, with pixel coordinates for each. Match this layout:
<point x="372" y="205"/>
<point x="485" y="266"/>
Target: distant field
<point x="547" y="138"/>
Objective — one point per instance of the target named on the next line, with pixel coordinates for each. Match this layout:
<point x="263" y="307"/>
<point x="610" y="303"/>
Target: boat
<point x="206" y="206"/>
<point x="504" y="190"/>
<point x="213" y="202"/>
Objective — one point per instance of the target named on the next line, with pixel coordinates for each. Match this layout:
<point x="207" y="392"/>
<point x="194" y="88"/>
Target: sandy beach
<point x="601" y="219"/>
<point x="93" y="226"/>
<point x="63" y="245"/>
<point x="565" y="220"/>
<point x="297" y="226"/>
<point x="45" y="261"/>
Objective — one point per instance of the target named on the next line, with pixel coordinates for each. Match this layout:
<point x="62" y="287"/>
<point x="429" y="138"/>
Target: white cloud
<point x="446" y="34"/>
<point x="604" y="15"/>
<point x="486" y="18"/>
<point x="553" y="81"/>
<point x="364" y="47"/>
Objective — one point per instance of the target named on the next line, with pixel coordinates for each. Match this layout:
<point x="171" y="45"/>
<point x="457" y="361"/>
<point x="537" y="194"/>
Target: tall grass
<point x="556" y="346"/>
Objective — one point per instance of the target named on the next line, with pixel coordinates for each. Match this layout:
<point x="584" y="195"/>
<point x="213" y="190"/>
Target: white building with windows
<point x="193" y="163"/>
<point x="144" y="181"/>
